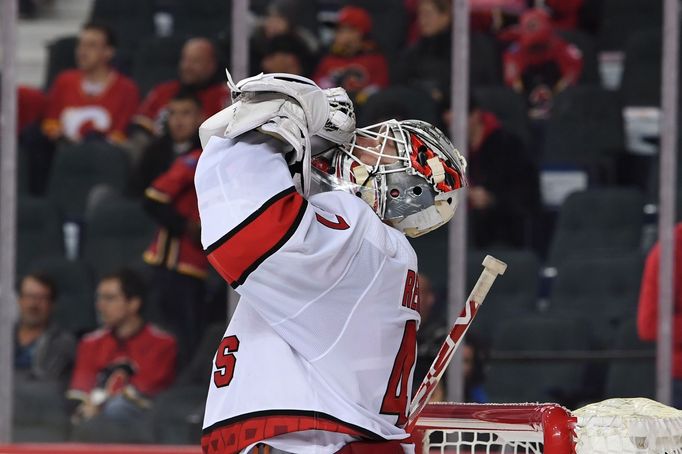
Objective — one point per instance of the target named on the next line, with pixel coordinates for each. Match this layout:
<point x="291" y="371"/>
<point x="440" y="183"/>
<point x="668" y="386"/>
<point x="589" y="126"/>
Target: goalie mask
<point x="407" y="171"/>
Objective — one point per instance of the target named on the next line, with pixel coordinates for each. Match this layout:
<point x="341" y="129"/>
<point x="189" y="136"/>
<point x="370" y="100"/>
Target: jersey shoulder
<point x="69" y="78"/>
<point x="125" y="83"/>
<point x="363" y="221"/>
<point x="96" y="336"/>
<point x="159" y="335"/>
<point x="167" y="88"/>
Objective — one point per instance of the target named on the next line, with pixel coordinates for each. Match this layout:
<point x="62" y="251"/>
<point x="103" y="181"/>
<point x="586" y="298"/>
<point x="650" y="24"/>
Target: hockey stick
<point x="492" y="268"/>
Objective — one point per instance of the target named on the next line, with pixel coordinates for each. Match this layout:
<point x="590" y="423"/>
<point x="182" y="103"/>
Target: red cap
<point x="356" y="17"/>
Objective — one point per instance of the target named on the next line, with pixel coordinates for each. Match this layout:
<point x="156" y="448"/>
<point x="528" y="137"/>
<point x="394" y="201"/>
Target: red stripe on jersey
<point x="233" y="435"/>
<point x="242" y="249"/>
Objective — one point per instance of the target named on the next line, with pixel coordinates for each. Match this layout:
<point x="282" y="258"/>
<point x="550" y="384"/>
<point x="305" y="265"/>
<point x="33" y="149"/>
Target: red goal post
<point x="472" y="428"/>
<point x="623" y="425"/>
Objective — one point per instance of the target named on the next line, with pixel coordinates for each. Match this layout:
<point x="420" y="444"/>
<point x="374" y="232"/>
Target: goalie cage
<point x="636" y="425"/>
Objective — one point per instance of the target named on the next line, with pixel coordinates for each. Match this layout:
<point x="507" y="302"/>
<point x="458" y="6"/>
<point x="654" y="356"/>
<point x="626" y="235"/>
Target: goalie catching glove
<point x="290" y="107"/>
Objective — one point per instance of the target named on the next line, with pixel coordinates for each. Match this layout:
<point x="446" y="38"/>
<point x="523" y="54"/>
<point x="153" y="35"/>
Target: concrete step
<point x="60" y="18"/>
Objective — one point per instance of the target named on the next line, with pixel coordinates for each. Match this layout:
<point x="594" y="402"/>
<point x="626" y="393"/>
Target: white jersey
<point x="321" y="348"/>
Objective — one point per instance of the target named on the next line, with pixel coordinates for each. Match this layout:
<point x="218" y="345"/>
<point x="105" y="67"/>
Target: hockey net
<point x="613" y="426"/>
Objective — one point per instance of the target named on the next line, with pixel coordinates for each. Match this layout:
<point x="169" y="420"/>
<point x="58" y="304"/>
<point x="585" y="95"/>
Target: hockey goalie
<point x="306" y="217"/>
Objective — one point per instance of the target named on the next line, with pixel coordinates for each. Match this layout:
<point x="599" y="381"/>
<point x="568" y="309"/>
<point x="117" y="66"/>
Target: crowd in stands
<point x="109" y="146"/>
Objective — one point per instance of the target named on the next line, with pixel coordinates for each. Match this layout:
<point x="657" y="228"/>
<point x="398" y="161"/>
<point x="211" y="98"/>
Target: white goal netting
<point x="477" y="442"/>
<point x="634" y="425"/>
<point x="613" y="426"/>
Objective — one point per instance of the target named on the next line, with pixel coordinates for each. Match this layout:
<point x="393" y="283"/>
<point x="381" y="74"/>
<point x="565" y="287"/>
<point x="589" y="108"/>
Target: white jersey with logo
<point x="321" y="348"/>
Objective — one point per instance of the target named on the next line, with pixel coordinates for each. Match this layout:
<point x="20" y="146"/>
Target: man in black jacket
<point x="184" y="117"/>
<point x="504" y="194"/>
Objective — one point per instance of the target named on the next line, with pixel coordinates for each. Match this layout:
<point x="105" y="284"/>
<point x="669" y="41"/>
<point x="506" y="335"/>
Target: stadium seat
<point x="200" y="17"/>
<point x="585" y="43"/>
<point x="598" y="222"/>
<point x="536" y="381"/>
<point x="509" y="107"/>
<point x="389" y="21"/>
<point x="486" y="62"/>
<point x="131" y="21"/>
<point x="641" y="85"/>
<point x="399" y="102"/>
<point x="585" y="129"/>
<point x="199" y="368"/>
<point x="75" y="305"/>
<point x="39" y="232"/>
<point x="514" y="293"/>
<point x="40" y="414"/>
<point x="621" y="18"/>
<point x="155" y="61"/>
<point x="603" y="291"/>
<point x="178" y="411"/>
<point x="117" y="231"/>
<point x="631" y="377"/>
<point x="77" y="169"/>
<point x="61" y="55"/>
<point x="178" y="414"/>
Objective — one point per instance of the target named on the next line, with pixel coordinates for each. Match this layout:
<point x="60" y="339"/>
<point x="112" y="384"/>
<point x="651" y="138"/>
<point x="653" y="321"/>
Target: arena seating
<point x="39" y="231"/>
<point x="77" y="169"/>
<point x="552" y="381"/>
<point x="602" y="290"/>
<point x="585" y="129"/>
<point x="596" y="223"/>
<point x="634" y="376"/>
<point x="514" y="295"/>
<point x="156" y="61"/>
<point x="117" y="231"/>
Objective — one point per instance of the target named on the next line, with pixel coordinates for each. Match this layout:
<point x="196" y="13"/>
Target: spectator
<point x="432" y="329"/>
<point x="176" y="255"/>
<point x="286" y="54"/>
<point x="197" y="73"/>
<point x="647" y="313"/>
<point x="281" y="19"/>
<point x="473" y="368"/>
<point x="426" y="64"/>
<point x="42" y="351"/>
<point x="490" y="16"/>
<point x="94" y="99"/>
<point x="486" y="16"/>
<point x="540" y="64"/>
<point x="565" y="13"/>
<point x="122" y="366"/>
<point x="502" y="209"/>
<point x="184" y="118"/>
<point x="31" y="106"/>
<point x="354" y="62"/>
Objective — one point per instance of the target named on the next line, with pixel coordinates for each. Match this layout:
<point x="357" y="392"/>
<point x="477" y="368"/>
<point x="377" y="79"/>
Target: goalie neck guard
<point x="407" y="171"/>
